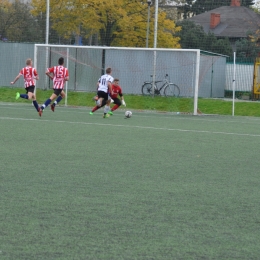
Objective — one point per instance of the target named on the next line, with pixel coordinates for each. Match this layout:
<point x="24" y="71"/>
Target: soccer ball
<point x="128" y="114"/>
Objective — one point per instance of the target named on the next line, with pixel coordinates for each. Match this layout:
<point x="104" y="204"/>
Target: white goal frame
<point x="155" y="50"/>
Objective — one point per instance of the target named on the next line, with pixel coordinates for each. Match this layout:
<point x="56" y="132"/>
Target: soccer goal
<point x="133" y="66"/>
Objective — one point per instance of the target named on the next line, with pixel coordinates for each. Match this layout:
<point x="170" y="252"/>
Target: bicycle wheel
<point x="171" y="90"/>
<point x="147" y="89"/>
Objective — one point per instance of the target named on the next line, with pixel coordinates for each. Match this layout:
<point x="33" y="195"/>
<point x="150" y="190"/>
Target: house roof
<point x="235" y="21"/>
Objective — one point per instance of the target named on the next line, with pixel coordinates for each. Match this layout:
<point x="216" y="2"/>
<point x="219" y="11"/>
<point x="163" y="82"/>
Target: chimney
<point x="214" y="20"/>
<point x="235" y="3"/>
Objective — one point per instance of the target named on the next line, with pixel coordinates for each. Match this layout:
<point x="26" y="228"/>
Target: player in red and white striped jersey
<point x="30" y="75"/>
<point x="58" y="74"/>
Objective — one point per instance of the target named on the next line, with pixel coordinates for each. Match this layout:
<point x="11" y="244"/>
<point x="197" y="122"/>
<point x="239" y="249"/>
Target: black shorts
<point x="30" y="89"/>
<point x="102" y="94"/>
<point x="57" y="91"/>
<point x="117" y="101"/>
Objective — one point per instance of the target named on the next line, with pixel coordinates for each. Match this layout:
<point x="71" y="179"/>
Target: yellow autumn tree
<point x="116" y="22"/>
<point x="16" y="22"/>
<point x="5" y="7"/>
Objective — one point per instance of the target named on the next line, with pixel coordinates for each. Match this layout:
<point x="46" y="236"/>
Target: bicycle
<point x="170" y="89"/>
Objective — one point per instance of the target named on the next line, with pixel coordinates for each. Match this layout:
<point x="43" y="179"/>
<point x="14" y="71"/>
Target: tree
<point x="256" y="7"/>
<point x="4" y="18"/>
<point x="248" y="3"/>
<point x="117" y="23"/>
<point x="222" y="46"/>
<point x="192" y="36"/>
<point x="24" y="26"/>
<point x="134" y="32"/>
<point x="17" y="24"/>
<point x="247" y="48"/>
<point x="184" y="8"/>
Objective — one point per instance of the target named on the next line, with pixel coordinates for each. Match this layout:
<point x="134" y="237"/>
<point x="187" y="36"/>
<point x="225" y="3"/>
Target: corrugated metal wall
<point x="12" y="57"/>
<point x="244" y="77"/>
<point x="215" y="74"/>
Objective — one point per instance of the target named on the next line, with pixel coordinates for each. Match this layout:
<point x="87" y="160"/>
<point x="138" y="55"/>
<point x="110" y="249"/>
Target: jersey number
<point x="103" y="82"/>
<point x="60" y="72"/>
<point x="27" y="75"/>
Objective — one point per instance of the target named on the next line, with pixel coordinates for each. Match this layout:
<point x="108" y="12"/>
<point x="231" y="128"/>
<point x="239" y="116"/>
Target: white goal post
<point x="133" y="66"/>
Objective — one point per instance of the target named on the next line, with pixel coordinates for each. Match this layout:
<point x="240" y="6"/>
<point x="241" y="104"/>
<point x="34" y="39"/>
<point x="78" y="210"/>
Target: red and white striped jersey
<point x="29" y="74"/>
<point x="59" y="75"/>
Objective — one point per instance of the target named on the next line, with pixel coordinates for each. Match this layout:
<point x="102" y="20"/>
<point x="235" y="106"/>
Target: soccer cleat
<point x="110" y="113"/>
<point x="91" y="113"/>
<point x="39" y="111"/>
<point x="106" y="116"/>
<point x="17" y="95"/>
<point x="52" y="108"/>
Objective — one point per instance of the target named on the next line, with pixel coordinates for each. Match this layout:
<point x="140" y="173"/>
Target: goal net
<point x="133" y="66"/>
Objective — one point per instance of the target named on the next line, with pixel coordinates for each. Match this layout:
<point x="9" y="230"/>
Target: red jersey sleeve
<point x="35" y="73"/>
<point x="120" y="91"/>
<point x="66" y="72"/>
<point x="51" y="70"/>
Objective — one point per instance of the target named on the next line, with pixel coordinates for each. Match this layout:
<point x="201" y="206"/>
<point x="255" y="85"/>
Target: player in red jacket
<point x="116" y="90"/>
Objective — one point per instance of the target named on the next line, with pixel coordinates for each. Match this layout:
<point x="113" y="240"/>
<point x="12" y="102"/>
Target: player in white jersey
<point x="104" y="85"/>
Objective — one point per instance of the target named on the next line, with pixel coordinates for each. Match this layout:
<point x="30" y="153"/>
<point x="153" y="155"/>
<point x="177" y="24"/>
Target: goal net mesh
<point x="132" y="66"/>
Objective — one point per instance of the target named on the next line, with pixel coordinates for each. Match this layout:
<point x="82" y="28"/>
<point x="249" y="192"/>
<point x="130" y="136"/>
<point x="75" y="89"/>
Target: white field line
<point x="207" y="118"/>
<point x="131" y="126"/>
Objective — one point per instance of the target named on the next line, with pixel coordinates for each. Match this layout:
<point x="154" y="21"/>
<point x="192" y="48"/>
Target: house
<point x="173" y="9"/>
<point x="170" y="8"/>
<point x="234" y="21"/>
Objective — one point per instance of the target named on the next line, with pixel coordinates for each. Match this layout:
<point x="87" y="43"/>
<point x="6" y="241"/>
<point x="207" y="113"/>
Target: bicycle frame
<point x="163" y="85"/>
<point x="150" y="81"/>
<point x="169" y="89"/>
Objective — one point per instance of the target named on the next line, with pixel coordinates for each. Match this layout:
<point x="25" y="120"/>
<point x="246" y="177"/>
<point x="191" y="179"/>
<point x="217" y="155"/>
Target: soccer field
<point x="155" y="186"/>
